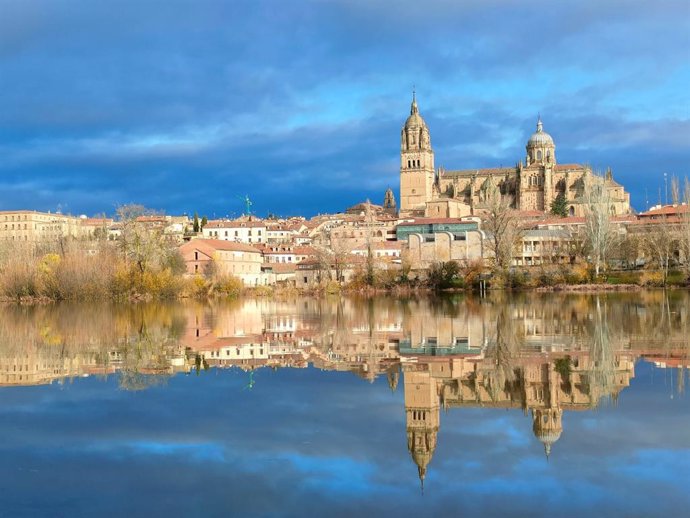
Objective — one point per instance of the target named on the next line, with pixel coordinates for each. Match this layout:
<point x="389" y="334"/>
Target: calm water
<point x="525" y="405"/>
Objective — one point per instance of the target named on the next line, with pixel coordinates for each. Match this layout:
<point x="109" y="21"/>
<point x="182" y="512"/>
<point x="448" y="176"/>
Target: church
<point x="531" y="185"/>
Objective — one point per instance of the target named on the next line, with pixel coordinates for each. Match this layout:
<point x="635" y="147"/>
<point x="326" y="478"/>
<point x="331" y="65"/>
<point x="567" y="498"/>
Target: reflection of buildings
<point x="546" y="355"/>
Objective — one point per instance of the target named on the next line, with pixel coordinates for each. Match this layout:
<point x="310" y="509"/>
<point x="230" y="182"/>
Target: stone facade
<point x="530" y="185"/>
<point x="29" y="226"/>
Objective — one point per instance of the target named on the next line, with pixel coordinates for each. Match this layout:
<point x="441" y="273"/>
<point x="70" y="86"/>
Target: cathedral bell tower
<point x="417" y="174"/>
<point x="422" y="404"/>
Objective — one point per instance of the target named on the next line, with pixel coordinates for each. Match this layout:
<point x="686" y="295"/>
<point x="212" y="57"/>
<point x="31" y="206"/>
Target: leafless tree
<point x="600" y="232"/>
<point x="142" y="245"/>
<point x="684" y="227"/>
<point x="660" y="242"/>
<point x="502" y="224"/>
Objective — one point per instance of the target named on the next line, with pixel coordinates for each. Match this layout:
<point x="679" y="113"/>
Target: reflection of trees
<point x="65" y="340"/>
<point x="602" y="361"/>
<point x="504" y="345"/>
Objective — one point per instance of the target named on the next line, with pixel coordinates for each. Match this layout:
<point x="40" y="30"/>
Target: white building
<point x="240" y="231"/>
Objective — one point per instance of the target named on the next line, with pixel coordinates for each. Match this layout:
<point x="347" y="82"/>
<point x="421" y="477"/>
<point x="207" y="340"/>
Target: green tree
<point x="559" y="206"/>
<point x="204" y="220"/>
<point x="195" y="224"/>
<point x="443" y="275"/>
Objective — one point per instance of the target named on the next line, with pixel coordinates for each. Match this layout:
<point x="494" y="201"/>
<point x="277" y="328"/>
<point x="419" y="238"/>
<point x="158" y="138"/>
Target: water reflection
<point x="544" y="354"/>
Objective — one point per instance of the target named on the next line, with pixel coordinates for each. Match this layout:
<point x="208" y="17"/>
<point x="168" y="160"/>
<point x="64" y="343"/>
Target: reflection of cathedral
<point x="544" y="355"/>
<point x="529" y="382"/>
<point x="422" y="418"/>
<point x="531" y="185"/>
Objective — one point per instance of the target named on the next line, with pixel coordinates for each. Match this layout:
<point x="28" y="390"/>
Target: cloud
<point x="167" y="104"/>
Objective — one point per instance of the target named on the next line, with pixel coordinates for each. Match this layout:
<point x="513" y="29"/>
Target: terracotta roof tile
<point x="217" y="244"/>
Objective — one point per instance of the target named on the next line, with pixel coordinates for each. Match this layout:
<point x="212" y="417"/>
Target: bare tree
<point x="600" y="232"/>
<point x="141" y="244"/>
<point x="675" y="190"/>
<point x="684" y="230"/>
<point x="502" y="224"/>
<point x="659" y="242"/>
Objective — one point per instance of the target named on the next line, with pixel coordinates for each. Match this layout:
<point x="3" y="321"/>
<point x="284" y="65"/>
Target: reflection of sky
<point x="306" y="442"/>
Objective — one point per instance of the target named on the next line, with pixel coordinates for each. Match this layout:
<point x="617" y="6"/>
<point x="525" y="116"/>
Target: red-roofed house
<point x="228" y="258"/>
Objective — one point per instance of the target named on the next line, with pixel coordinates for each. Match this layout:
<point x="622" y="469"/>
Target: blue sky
<point x="186" y="106"/>
<point x="308" y="443"/>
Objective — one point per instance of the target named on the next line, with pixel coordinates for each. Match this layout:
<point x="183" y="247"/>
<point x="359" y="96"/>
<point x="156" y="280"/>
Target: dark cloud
<point x="183" y="105"/>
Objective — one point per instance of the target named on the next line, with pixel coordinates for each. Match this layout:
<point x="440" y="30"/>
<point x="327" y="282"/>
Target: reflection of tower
<point x="547" y="426"/>
<point x="393" y="375"/>
<point x="422" y="410"/>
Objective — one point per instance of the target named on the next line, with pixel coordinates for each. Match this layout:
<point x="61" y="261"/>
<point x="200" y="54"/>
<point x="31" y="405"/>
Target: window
<point x="538" y="155"/>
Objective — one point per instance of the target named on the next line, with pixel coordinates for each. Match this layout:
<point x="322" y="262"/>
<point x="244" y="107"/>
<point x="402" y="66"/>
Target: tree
<point x="627" y="251"/>
<point x="142" y="244"/>
<point x="195" y="225"/>
<point x="502" y="225"/>
<point x="443" y="275"/>
<point x="204" y="220"/>
<point x="660" y="243"/>
<point x="684" y="231"/>
<point x="600" y="233"/>
<point x="559" y="206"/>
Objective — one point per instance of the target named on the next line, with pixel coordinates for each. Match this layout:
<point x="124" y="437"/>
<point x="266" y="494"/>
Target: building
<point x="530" y="185"/>
<point x="203" y="256"/>
<point x="250" y="231"/>
<point x="34" y="227"/>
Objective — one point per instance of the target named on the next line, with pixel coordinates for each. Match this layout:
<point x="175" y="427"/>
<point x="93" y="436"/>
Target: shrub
<point x="578" y="274"/>
<point x="652" y="279"/>
<point x="446" y="275"/>
<point x="228" y="285"/>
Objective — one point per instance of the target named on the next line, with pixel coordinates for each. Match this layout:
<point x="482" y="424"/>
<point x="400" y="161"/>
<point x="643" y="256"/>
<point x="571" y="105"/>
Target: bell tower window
<point x="538" y="155"/>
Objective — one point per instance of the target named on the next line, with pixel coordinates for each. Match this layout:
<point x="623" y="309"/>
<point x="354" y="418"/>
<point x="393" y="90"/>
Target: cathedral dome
<point x="540" y="137"/>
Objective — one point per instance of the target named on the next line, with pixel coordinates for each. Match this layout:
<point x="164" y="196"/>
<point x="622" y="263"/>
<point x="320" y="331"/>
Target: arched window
<point x="538" y="155"/>
<point x="571" y="211"/>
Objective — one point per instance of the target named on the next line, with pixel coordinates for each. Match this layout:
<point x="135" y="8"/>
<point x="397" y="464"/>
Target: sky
<point x="305" y="442"/>
<point x="187" y="106"/>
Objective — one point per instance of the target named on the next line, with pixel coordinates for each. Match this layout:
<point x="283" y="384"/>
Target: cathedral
<point x="530" y="185"/>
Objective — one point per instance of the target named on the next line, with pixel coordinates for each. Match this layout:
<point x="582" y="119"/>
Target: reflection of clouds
<point x="311" y="442"/>
<point x="304" y="439"/>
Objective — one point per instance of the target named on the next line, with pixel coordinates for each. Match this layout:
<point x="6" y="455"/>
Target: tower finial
<point x="540" y="126"/>
<point x="413" y="108"/>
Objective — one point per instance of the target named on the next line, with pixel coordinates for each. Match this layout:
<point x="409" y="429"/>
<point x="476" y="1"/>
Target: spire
<point x="540" y="126"/>
<point x="413" y="108"/>
<point x="422" y="475"/>
<point x="547" y="450"/>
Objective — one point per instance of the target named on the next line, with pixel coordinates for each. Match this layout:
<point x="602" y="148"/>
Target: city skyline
<point x="188" y="110"/>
